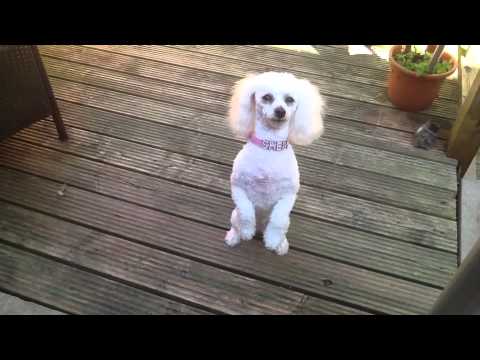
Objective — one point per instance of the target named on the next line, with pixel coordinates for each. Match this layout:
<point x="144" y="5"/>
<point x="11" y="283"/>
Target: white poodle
<point x="272" y="110"/>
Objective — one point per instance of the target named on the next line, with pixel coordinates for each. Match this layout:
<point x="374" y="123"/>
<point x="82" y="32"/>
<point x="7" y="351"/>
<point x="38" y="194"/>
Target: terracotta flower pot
<point x="411" y="92"/>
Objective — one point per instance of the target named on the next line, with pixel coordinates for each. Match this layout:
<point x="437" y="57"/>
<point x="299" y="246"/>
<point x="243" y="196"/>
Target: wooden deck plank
<point x="339" y="53"/>
<point x="368" y="251"/>
<point x="349" y="109"/>
<point x="328" y="86"/>
<point x="311" y="65"/>
<point x="73" y="290"/>
<point x="341" y="129"/>
<point x="323" y="204"/>
<point x="357" y="182"/>
<point x="333" y="84"/>
<point x="350" y="285"/>
<point x="352" y="155"/>
<point x="205" y="100"/>
<point x="144" y="211"/>
<point x="314" y="66"/>
<point x="222" y="82"/>
<point x="293" y="60"/>
<point x="152" y="269"/>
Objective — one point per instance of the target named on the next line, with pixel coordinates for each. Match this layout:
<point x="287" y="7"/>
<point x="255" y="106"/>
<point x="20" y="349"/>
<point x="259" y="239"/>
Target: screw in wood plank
<point x="61" y="192"/>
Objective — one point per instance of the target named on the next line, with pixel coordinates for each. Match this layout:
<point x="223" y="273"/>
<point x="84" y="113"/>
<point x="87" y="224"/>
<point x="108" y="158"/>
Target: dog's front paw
<point x="247" y="231"/>
<point x="275" y="240"/>
<point x="283" y="248"/>
<point x="279" y="248"/>
<point x="232" y="238"/>
<point x="272" y="239"/>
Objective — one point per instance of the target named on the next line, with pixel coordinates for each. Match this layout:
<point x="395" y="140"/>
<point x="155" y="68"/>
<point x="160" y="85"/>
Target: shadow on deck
<point x="139" y="225"/>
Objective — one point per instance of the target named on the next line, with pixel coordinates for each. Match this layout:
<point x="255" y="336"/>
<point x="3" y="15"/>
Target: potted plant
<point x="415" y="76"/>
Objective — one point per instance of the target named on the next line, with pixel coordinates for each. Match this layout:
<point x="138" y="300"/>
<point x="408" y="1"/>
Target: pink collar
<point x="274" y="145"/>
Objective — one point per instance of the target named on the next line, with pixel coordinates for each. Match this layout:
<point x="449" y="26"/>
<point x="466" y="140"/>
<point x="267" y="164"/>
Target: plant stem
<point x="435" y="57"/>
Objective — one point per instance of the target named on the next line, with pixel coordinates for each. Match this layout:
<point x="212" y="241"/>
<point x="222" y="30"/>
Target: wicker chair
<point x="26" y="95"/>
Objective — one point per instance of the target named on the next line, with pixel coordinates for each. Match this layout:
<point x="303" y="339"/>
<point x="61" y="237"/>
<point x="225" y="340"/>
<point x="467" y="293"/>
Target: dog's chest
<point x="261" y="180"/>
<point x="265" y="188"/>
<point x="265" y="176"/>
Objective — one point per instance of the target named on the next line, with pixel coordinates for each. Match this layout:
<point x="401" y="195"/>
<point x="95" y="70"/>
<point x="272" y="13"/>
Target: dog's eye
<point x="289" y="100"/>
<point x="267" y="98"/>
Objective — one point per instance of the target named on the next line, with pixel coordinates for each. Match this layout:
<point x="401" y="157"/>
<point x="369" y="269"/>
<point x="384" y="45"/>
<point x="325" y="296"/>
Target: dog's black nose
<point x="279" y="112"/>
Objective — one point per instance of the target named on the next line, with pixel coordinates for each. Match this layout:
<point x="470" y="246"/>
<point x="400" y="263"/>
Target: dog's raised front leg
<point x="274" y="236"/>
<point x="242" y="219"/>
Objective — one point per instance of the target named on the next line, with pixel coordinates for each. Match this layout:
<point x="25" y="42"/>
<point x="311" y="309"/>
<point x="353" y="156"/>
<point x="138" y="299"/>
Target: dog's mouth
<point x="276" y="122"/>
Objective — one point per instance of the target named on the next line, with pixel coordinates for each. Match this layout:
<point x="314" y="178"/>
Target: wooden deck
<point x="139" y="226"/>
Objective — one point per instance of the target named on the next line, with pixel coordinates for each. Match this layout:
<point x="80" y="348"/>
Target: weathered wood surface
<point x="144" y="192"/>
<point x="312" y="65"/>
<point x="339" y="128"/>
<point x="442" y="111"/>
<point x="152" y="269"/>
<point x="70" y="289"/>
<point x="422" y="264"/>
<point x="385" y="115"/>
<point x="339" y="152"/>
<point x="324" y="204"/>
<point x="464" y="140"/>
<point x="314" y="275"/>
<point x="220" y="82"/>
<point x="357" y="182"/>
<point x="468" y="71"/>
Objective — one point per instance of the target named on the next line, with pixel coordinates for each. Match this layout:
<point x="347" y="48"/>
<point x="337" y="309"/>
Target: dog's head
<point x="278" y="100"/>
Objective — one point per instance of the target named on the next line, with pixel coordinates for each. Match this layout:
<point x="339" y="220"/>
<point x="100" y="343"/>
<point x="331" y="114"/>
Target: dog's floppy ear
<point x="242" y="107"/>
<point x="307" y="122"/>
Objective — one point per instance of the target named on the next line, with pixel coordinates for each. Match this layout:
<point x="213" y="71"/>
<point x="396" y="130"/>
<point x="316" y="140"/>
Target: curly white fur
<point x="265" y="183"/>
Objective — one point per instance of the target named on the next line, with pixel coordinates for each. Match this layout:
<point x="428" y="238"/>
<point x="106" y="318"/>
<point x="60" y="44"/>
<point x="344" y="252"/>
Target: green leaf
<point x="442" y="67"/>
